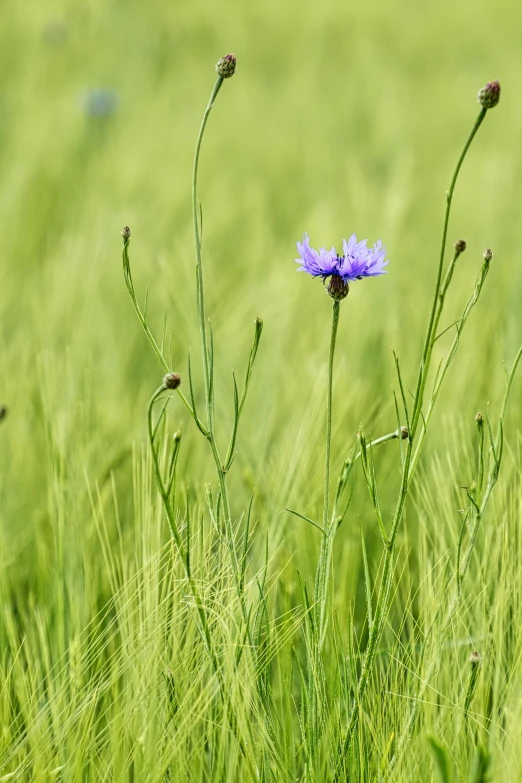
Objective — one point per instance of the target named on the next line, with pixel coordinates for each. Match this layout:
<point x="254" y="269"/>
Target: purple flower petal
<point x="357" y="260"/>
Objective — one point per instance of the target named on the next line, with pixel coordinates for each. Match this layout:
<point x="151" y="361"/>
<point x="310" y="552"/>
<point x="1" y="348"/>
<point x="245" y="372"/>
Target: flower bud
<point x="460" y="246"/>
<point x="226" y="67"/>
<point x="475" y="658"/>
<point x="489" y="95"/>
<point x="337" y="288"/>
<point x="488" y="255"/>
<point x="405" y="433"/>
<point x="479" y="418"/>
<point x="126" y="232"/>
<point x="172" y="380"/>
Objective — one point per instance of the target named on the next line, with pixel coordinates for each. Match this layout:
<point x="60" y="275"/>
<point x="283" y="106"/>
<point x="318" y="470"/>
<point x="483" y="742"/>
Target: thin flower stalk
<point x="321" y="585"/>
<point x="477" y="514"/>
<point x="337" y="270"/>
<point x="166" y="487"/>
<point x="199" y="263"/>
<point x="382" y="603"/>
<point x="207" y="354"/>
<point x="225" y="68"/>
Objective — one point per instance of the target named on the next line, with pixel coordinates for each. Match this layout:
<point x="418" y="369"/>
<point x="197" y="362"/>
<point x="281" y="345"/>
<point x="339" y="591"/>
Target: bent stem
<point x="208" y="359"/>
<point x="438" y="301"/>
<point x="382" y="605"/>
<point x="208" y="371"/>
<point x="478" y="510"/>
<point x="197" y="238"/>
<point x="142" y="318"/>
<point x="165" y="488"/>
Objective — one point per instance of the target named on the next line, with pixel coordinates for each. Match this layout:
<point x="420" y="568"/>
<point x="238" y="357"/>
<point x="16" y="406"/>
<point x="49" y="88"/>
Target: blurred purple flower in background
<point x="101" y="102"/>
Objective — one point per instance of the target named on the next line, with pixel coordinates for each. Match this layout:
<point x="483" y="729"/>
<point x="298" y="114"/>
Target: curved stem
<point x="197" y="237"/>
<point x="143" y="321"/>
<point x="208" y="369"/>
<point x="436" y="310"/>
<point x="381" y="610"/>
<point x="202" y="621"/>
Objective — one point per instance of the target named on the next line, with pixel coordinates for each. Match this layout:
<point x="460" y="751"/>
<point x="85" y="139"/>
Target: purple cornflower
<point x="100" y="102"/>
<point x="356" y="262"/>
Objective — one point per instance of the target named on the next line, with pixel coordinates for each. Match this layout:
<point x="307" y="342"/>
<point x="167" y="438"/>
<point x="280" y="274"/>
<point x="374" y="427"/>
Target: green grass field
<point x="340" y="118"/>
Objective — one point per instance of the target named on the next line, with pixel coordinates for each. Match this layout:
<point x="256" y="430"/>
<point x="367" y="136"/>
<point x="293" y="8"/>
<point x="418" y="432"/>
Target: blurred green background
<point x="341" y="118"/>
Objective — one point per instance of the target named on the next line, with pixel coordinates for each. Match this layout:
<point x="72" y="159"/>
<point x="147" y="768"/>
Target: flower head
<point x="172" y="380"/>
<point x="460" y="246"/>
<point x="226" y="66"/>
<point x="357" y="261"/>
<point x="489" y="95"/>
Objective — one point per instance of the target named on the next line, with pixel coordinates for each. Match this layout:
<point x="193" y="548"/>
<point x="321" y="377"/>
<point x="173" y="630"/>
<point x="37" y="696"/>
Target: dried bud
<point x="489" y="95"/>
<point x="126" y="232"/>
<point x="226" y="67"/>
<point x="172" y="380"/>
<point x="405" y="433"/>
<point x="258" y="325"/>
<point x="475" y="658"/>
<point x="488" y="255"/>
<point x="479" y="418"/>
<point x="3" y="412"/>
<point x="337" y="288"/>
<point x="460" y="246"/>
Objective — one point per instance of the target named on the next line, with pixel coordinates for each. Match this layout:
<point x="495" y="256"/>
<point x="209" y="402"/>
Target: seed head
<point x="475" y="658"/>
<point x="337" y="288"/>
<point x="488" y="255"/>
<point x="172" y="380"/>
<point x="479" y="418"/>
<point x="126" y="232"/>
<point x="405" y="433"/>
<point x="460" y="246"/>
<point x="489" y="95"/>
<point x="226" y="66"/>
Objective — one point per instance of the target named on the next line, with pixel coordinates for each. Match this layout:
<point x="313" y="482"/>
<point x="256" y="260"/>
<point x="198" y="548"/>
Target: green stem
<point x="208" y="370"/>
<point x="436" y="308"/>
<point x="197" y="237"/>
<point x="381" y="609"/>
<point x="315" y="672"/>
<point x="143" y="321"/>
<point x="202" y="619"/>
<point x="322" y="571"/>
<point x="335" y="323"/>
